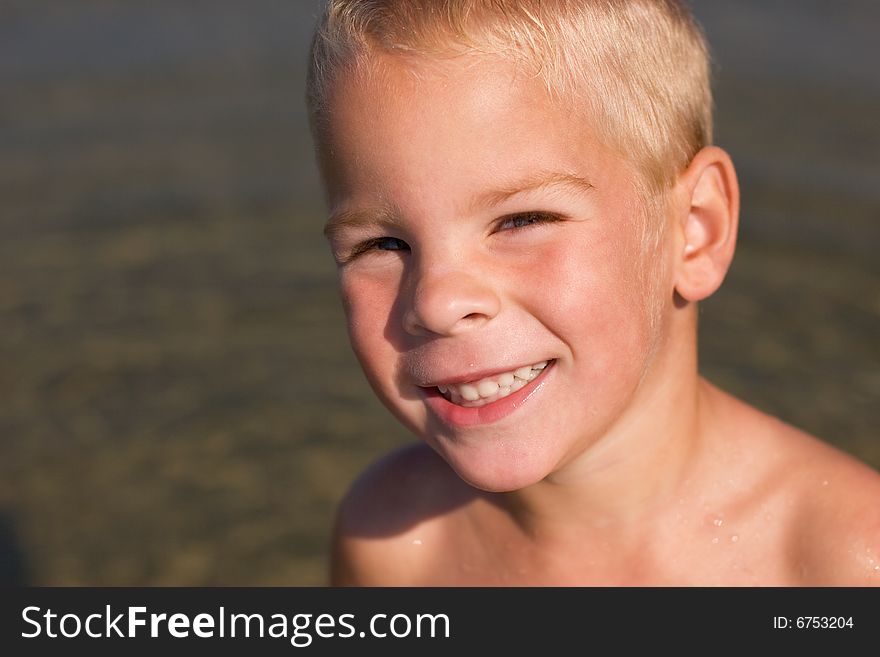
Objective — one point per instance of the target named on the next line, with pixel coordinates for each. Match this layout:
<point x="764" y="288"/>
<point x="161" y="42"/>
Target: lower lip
<point x="468" y="416"/>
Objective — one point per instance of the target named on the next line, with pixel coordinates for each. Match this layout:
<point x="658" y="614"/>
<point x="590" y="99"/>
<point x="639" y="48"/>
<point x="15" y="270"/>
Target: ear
<point x="707" y="215"/>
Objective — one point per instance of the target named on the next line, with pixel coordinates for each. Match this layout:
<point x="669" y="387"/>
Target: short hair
<point x="640" y="66"/>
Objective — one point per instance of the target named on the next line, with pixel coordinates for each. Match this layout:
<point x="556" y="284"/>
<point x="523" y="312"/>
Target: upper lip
<point x="477" y="375"/>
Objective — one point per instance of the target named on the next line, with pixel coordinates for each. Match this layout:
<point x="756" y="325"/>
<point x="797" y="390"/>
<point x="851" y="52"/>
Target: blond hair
<point x="640" y="66"/>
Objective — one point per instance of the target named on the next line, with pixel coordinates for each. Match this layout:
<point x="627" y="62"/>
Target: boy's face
<point x="481" y="229"/>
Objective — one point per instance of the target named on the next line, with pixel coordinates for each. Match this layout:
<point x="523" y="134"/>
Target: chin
<point x="497" y="470"/>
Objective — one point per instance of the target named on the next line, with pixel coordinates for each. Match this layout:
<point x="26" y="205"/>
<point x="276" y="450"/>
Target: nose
<point x="448" y="302"/>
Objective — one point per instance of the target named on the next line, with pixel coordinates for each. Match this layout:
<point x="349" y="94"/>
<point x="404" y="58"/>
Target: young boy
<point x="525" y="212"/>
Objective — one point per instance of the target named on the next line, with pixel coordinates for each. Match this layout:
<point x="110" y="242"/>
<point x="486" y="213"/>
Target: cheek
<point x="592" y="299"/>
<point x="374" y="327"/>
<point x="369" y="308"/>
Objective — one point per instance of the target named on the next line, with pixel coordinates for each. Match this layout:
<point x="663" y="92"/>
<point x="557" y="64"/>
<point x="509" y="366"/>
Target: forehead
<point x="421" y="130"/>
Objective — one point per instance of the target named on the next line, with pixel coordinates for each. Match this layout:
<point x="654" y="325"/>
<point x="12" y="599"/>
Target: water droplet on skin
<point x="715" y="540"/>
<point x="417" y="541"/>
<point x="718" y="522"/>
<point x="876" y="567"/>
<point x="734" y="538"/>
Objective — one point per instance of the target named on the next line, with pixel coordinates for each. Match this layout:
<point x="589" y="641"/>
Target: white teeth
<point x="523" y="372"/>
<point x="484" y="391"/>
<point x="469" y="392"/>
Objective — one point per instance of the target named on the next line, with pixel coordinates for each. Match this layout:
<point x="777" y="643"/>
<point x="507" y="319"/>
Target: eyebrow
<point x="540" y="180"/>
<point x="347" y="219"/>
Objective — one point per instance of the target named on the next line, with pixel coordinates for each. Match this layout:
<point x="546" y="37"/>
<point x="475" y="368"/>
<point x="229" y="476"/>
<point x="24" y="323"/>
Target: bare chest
<point x="689" y="558"/>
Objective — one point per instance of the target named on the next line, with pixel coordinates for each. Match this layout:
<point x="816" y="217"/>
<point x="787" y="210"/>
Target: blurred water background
<point x="178" y="403"/>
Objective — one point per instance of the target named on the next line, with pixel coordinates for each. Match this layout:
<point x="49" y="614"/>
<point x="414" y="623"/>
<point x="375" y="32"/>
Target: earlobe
<point x="708" y="216"/>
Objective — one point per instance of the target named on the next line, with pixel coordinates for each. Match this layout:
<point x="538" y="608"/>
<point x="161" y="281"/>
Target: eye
<point x="384" y="243"/>
<point x="388" y="244"/>
<point x="525" y="219"/>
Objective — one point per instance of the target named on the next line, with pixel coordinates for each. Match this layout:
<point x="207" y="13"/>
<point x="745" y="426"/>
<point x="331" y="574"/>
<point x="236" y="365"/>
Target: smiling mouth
<point x="492" y="388"/>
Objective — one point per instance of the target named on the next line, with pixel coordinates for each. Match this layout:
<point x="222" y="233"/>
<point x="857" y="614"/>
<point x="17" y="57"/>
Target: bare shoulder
<point x="838" y="524"/>
<point x="826" y="502"/>
<point x="394" y="517"/>
<point x="834" y="502"/>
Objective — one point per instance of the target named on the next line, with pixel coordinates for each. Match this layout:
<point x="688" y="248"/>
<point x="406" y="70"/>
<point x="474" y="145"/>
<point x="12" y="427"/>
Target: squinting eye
<point x="525" y="219"/>
<point x="389" y="244"/>
<point x="378" y="244"/>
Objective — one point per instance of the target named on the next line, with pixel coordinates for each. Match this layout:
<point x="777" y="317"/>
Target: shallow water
<point x="180" y="405"/>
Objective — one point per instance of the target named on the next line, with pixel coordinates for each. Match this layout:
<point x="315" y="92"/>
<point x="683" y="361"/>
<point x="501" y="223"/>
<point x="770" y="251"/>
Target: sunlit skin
<point x="480" y="226"/>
